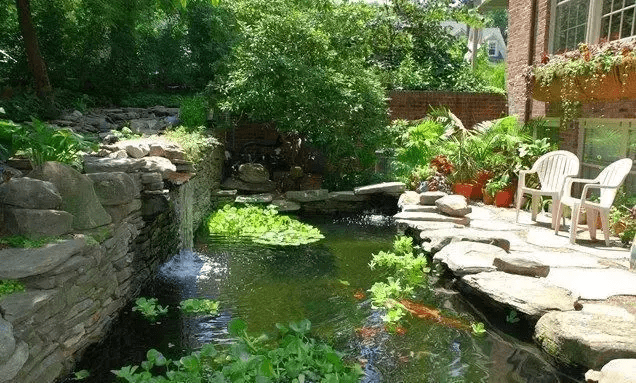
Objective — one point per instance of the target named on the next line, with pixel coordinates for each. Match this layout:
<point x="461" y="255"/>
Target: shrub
<point x="193" y="111"/>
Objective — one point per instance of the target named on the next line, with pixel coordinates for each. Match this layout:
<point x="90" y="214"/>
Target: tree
<point x="37" y="65"/>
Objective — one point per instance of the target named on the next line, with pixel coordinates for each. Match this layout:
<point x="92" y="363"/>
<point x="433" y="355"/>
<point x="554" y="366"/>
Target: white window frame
<point x="492" y="45"/>
<point x="593" y="29"/>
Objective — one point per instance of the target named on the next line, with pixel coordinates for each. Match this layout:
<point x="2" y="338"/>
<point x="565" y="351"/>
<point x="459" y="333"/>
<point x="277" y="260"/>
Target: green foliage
<point x="261" y="225"/>
<point x="478" y="328"/>
<point x="41" y="143"/>
<point x="302" y="66"/>
<point x="125" y="134"/>
<point x="149" y="308"/>
<point x="195" y="142"/>
<point x="292" y="357"/>
<point x="8" y="286"/>
<point x="81" y="374"/>
<point x="193" y="111"/>
<point x="623" y="216"/>
<point x="406" y="271"/>
<point x="200" y="306"/>
<point x="25" y="242"/>
<point x="512" y="317"/>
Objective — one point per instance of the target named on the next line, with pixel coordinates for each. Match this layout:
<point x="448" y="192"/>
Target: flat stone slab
<point x="308" y="195"/>
<point x="346" y="196"/>
<point x="19" y="306"/>
<point x="465" y="257"/>
<point x="283" y="205"/>
<point x="255" y="198"/>
<point x="561" y="259"/>
<point x="29" y="193"/>
<point x="594" y="284"/>
<point x="37" y="223"/>
<point x="531" y="296"/>
<point x="616" y="371"/>
<point x="521" y="266"/>
<point x="429" y="197"/>
<point x="431" y="217"/>
<point x="18" y="263"/>
<point x="12" y="366"/>
<point x="404" y="224"/>
<point x="435" y="240"/>
<point x="108" y="165"/>
<point x="420" y="209"/>
<point x="392" y="188"/>
<point x="586" y="339"/>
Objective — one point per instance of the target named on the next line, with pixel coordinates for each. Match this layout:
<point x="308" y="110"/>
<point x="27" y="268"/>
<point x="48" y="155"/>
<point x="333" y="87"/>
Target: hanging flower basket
<point x="602" y="72"/>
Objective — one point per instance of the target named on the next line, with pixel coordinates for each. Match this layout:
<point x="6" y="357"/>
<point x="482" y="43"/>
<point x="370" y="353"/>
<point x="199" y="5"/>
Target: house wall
<point x="470" y="108"/>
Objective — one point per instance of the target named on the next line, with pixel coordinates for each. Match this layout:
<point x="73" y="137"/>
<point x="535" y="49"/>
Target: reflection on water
<point x="322" y="282"/>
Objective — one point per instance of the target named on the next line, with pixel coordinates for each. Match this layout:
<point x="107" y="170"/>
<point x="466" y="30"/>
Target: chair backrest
<point x="613" y="175"/>
<point x="553" y="167"/>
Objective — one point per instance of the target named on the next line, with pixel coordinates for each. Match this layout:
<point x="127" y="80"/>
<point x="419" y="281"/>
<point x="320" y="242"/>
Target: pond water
<point x="323" y="283"/>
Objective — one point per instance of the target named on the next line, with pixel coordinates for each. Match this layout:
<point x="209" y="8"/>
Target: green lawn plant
<point x="149" y="308"/>
<point x="199" y="306"/>
<point x="25" y="242"/>
<point x="9" y="286"/>
<point x="261" y="225"/>
<point x="293" y="356"/>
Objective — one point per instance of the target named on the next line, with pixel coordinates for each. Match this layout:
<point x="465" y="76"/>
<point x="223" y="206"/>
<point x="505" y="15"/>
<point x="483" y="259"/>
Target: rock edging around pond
<point x="116" y="239"/>
<point x="581" y="300"/>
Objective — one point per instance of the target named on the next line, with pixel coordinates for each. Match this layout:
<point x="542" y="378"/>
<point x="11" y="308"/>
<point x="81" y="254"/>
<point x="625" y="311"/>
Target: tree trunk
<point x="36" y="62"/>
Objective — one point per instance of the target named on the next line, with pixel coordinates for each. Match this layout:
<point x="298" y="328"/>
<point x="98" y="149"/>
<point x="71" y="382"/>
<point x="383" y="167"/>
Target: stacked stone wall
<point x="75" y="287"/>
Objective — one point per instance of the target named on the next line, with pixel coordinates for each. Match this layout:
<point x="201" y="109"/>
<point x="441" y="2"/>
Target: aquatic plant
<point x="292" y="357"/>
<point x="478" y="328"/>
<point x="200" y="306"/>
<point x="149" y="308"/>
<point x="9" y="286"/>
<point x="261" y="225"/>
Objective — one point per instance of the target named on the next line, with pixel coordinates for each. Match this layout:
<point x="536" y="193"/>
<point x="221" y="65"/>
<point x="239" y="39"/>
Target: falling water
<point x="183" y="206"/>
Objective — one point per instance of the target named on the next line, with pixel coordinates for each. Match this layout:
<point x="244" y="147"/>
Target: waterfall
<point x="184" y="207"/>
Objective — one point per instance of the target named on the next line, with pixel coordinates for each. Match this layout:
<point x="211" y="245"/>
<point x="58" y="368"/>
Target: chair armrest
<point x="593" y="186"/>
<point x="569" y="180"/>
<point x="522" y="177"/>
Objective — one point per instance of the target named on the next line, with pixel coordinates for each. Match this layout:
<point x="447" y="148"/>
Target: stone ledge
<point x="16" y="263"/>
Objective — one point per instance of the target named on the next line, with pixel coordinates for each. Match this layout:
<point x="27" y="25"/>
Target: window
<point x="578" y="21"/>
<point x="492" y="48"/>
<point x="570" y="24"/>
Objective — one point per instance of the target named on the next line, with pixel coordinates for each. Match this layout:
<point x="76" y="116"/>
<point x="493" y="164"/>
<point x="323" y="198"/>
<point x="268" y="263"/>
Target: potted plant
<point x="502" y="189"/>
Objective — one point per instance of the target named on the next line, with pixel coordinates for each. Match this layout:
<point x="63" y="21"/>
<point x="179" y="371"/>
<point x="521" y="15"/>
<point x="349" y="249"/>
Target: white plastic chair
<point x="608" y="182"/>
<point x="552" y="169"/>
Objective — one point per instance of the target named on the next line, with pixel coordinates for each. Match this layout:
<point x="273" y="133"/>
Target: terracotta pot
<point x="505" y="197"/>
<point x="468" y="190"/>
<point x="488" y="199"/>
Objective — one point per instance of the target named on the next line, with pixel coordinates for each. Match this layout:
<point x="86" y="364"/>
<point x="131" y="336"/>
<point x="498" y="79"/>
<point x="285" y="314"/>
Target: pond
<point x="326" y="283"/>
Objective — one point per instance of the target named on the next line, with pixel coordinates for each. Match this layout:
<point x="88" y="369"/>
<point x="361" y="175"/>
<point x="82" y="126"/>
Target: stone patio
<point x="588" y="292"/>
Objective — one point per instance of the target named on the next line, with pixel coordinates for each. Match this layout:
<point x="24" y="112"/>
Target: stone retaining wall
<point x="76" y="287"/>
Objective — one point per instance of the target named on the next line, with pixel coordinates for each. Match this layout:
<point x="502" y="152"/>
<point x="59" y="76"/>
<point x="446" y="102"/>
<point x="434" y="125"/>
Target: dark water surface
<point x="265" y="286"/>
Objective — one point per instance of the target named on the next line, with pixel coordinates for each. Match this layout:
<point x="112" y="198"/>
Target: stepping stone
<point x="435" y="240"/>
<point x="346" y="196"/>
<point x="531" y="296"/>
<point x="392" y="188"/>
<point x="465" y="257"/>
<point x="431" y="217"/>
<point x="521" y="266"/>
<point x="425" y="226"/>
<point x="408" y="198"/>
<point x="420" y="209"/>
<point x="254" y="198"/>
<point x="283" y="205"/>
<point x="453" y="205"/>
<point x="616" y="371"/>
<point x="594" y="284"/>
<point x="429" y="198"/>
<point x="587" y="339"/>
<point x="307" y="195"/>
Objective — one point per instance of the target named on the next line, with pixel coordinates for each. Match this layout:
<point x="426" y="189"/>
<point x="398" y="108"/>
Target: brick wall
<point x="526" y="42"/>
<point x="470" y="108"/>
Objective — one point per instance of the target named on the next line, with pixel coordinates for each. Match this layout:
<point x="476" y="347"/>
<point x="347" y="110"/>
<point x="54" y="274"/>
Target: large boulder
<point x="587" y="338"/>
<point x="7" y="341"/>
<point x="408" y="198"/>
<point x="158" y="164"/>
<point x="37" y="223"/>
<point x="10" y="368"/>
<point x="29" y="193"/>
<point x="253" y="173"/>
<point x="454" y="205"/>
<point x="616" y="371"/>
<point x="428" y="198"/>
<point x="114" y="188"/>
<point x="465" y="257"/>
<point x="16" y="263"/>
<point x="531" y="296"/>
<point x="78" y="195"/>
